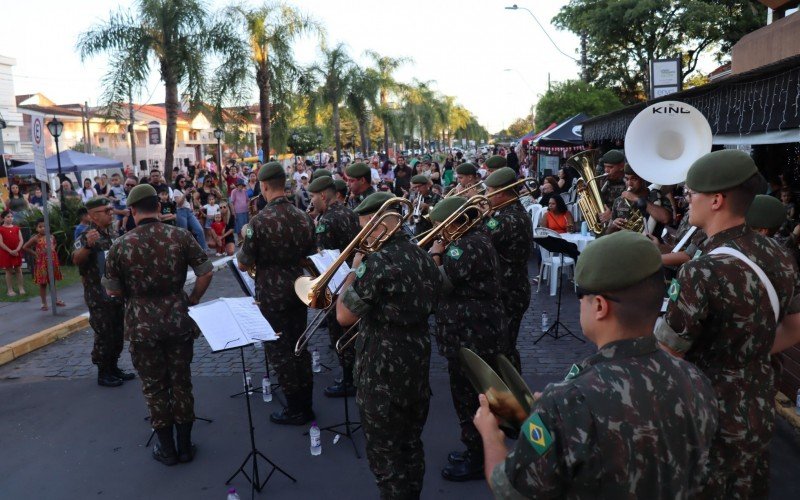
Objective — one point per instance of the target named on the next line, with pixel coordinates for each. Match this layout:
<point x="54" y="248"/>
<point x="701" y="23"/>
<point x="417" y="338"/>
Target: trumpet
<point x="472" y="211"/>
<point x="417" y="214"/>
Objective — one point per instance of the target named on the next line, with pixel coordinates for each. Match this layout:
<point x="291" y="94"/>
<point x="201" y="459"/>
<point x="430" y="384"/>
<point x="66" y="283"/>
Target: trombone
<point x="478" y="186"/>
<point x="472" y="211"/>
<point x="522" y="187"/>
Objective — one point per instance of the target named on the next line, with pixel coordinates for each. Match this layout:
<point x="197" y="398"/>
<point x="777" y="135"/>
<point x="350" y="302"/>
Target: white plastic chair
<point x="549" y="260"/>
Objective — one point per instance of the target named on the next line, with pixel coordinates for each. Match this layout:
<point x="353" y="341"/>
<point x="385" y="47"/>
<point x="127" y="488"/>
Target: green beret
<point x="358" y="170"/>
<point x="622" y="250"/>
<point x="613" y="157"/>
<point x="766" y="212"/>
<point x="140" y="192"/>
<point x="341" y="186"/>
<point x="503" y="176"/>
<point x="420" y="179"/>
<point x="629" y="170"/>
<point x="495" y="161"/>
<point x="320" y="184"/>
<point x="320" y="172"/>
<point x="96" y="202"/>
<point x="270" y="171"/>
<point x="720" y="170"/>
<point x="373" y="202"/>
<point x="467" y="169"/>
<point x="446" y="207"/>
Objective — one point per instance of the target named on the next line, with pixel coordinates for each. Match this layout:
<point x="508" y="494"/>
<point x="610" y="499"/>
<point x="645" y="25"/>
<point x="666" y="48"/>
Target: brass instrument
<point x="473" y="212"/>
<point x="478" y="186"/>
<point x="635" y="221"/>
<point x="416" y="216"/>
<point x="589" y="200"/>
<point x="522" y="187"/>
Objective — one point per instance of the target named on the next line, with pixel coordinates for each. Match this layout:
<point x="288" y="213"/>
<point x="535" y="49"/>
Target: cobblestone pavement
<point x="69" y="358"/>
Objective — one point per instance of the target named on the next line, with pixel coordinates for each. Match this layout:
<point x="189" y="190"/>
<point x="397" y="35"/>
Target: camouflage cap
<point x="446" y="207"/>
<point x="320" y="172"/>
<point x="140" y="192"/>
<point x="613" y="157"/>
<point x="373" y="202"/>
<point x="320" y="184"/>
<point x="97" y="202"/>
<point x="358" y="170"/>
<point x="496" y="161"/>
<point x="623" y="250"/>
<point x="766" y="212"/>
<point x="341" y="186"/>
<point x="270" y="171"/>
<point x="467" y="169"/>
<point x="501" y="177"/>
<point x="420" y="179"/>
<point x="720" y="170"/>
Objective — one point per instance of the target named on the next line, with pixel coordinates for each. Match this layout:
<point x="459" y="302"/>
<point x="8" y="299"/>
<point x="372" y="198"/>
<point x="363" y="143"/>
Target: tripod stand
<point x="253" y="478"/>
<point x="560" y="247"/>
<point x="258" y="389"/>
<point x="350" y="428"/>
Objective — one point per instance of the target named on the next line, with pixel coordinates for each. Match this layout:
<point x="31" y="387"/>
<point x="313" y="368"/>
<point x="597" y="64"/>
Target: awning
<point x="71" y="161"/>
<point x="569" y="131"/>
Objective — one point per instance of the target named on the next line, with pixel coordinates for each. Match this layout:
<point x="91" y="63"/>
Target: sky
<point x="496" y="62"/>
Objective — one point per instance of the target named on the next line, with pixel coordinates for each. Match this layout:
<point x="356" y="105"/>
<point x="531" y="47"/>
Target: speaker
<point x="143" y="165"/>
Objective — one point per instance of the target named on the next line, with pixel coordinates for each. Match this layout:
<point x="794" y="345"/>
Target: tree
<point x="569" y="98"/>
<point x="623" y="36"/>
<point x="335" y="71"/>
<point x="361" y="97"/>
<point x="177" y="35"/>
<point x="385" y="67"/>
<point x="520" y="127"/>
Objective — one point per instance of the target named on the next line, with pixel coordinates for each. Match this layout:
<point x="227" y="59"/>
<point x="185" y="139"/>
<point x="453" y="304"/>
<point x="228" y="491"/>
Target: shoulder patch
<point x="492" y="223"/>
<point x="537" y="434"/>
<point x="454" y="252"/>
<point x="360" y="270"/>
<point x="573" y="372"/>
<point x="697" y="254"/>
<point x="674" y="290"/>
<point x="321" y="228"/>
<point x="249" y="232"/>
<point x="77" y="245"/>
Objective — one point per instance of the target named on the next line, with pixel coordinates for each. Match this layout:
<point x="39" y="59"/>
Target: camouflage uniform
<point x="611" y="190"/>
<point x="623" y="208"/>
<point x="695" y="242"/>
<point x="431" y="199"/>
<point x="512" y="236"/>
<point x="605" y="432"/>
<point x="470" y="315"/>
<point x="278" y="239"/>
<point x="106" y="314"/>
<point x="395" y="291"/>
<point x="354" y="201"/>
<point x="726" y="326"/>
<point x="335" y="230"/>
<point x="148" y="265"/>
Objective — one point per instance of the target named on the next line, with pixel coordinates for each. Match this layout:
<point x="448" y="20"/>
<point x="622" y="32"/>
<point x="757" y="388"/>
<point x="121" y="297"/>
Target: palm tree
<point x="361" y="97"/>
<point x="271" y="31"/>
<point x="335" y="72"/>
<point x="176" y="35"/>
<point x="385" y="67"/>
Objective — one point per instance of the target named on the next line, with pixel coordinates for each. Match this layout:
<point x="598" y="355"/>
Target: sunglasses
<point x="582" y="292"/>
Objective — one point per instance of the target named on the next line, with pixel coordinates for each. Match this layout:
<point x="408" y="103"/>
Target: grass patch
<point x="69" y="273"/>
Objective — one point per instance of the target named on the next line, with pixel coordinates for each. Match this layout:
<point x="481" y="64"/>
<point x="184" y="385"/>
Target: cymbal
<point x="486" y="381"/>
<point x="515" y="382"/>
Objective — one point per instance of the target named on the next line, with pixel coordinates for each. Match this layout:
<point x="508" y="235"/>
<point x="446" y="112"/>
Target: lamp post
<point x="219" y="133"/>
<point x="319" y="147"/>
<point x="3" y="125"/>
<point x="56" y="128"/>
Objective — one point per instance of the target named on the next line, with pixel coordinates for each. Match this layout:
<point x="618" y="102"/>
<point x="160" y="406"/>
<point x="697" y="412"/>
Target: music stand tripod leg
<point x="350" y="428"/>
<point x="554" y="328"/>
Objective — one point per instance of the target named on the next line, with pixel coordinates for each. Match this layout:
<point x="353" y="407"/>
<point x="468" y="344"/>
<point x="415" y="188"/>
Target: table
<point x="581" y="241"/>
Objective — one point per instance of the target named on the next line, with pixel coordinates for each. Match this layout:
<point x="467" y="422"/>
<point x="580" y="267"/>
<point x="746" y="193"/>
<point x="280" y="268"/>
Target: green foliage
<point x="520" y="127"/>
<point x="62" y="227"/>
<point x="302" y="140"/>
<point x="569" y="98"/>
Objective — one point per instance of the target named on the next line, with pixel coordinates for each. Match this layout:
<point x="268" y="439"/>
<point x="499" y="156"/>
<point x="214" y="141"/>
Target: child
<point x="168" y="208"/>
<point x="83" y="216"/>
<point x="39" y="244"/>
<point x="210" y="209"/>
<point x="10" y="252"/>
<point x="217" y="230"/>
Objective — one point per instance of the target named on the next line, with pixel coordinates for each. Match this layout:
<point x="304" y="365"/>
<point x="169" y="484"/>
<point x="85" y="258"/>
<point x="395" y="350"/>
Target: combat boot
<point x="186" y="448"/>
<point x="114" y="370"/>
<point x="297" y="412"/>
<point x="471" y="467"/>
<point x="106" y="378"/>
<point x="343" y="387"/>
<point x="456" y="456"/>
<point x="164" y="449"/>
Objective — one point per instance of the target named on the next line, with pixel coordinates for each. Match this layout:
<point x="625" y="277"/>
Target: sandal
<point x="44" y="307"/>
<point x="12" y="293"/>
<point x="60" y="303"/>
<point x="22" y="291"/>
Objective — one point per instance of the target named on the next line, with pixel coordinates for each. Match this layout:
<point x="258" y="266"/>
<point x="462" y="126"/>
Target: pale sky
<point x="464" y="46"/>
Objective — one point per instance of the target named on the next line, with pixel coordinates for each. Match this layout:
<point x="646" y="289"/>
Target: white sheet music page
<point x="250" y="320"/>
<point x="227" y="323"/>
<point x="324" y="260"/>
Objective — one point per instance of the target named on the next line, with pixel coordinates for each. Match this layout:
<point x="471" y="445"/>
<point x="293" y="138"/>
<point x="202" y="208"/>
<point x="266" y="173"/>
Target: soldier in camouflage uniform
<point x="359" y="181"/>
<point x="673" y="260"/>
<point x="106" y="314"/>
<point x="471" y="315"/>
<point x="629" y="421"/>
<point x="277" y="241"/>
<point x="721" y="318"/>
<point x="614" y="165"/>
<point x="639" y="199"/>
<point x="421" y="186"/>
<point x="336" y="228"/>
<point x="147" y="267"/>
<point x="511" y="231"/>
<point x="393" y="291"/>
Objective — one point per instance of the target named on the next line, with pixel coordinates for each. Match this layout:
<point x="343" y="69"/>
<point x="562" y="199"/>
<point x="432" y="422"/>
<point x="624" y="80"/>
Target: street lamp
<point x="3" y="125"/>
<point x="515" y="7"/>
<point x="56" y="128"/>
<point x="218" y="133"/>
<point x="319" y="147"/>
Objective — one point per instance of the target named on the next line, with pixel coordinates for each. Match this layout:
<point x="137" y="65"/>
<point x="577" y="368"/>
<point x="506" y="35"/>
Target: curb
<point x="18" y="348"/>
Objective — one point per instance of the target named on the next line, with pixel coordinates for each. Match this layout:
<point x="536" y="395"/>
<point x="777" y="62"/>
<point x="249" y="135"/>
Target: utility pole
<point x="89" y="147"/>
<point x="131" y="130"/>
<point x="584" y="61"/>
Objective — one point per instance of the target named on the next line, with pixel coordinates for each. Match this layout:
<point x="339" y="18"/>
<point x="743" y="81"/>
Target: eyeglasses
<point x="582" y="292"/>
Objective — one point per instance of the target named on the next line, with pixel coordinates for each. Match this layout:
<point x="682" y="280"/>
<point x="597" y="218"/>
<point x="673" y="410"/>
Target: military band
<point x="637" y="204"/>
<point x="424" y="199"/>
<point x="359" y="182"/>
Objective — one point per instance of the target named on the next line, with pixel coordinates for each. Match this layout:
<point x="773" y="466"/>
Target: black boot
<point x="456" y="456"/>
<point x="164" y="449"/>
<point x="186" y="448"/>
<point x="106" y="378"/>
<point x="471" y="467"/>
<point x="344" y="386"/>
<point x="297" y="411"/>
<point x="114" y="370"/>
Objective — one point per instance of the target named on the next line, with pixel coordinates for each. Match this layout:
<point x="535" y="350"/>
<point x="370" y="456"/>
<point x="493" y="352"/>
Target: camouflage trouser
<point x="346" y="358"/>
<point x="294" y="372"/>
<point x="393" y="430"/>
<point x="108" y="324"/>
<point x="465" y="401"/>
<point x="736" y="473"/>
<point x="514" y="322"/>
<point x="165" y="369"/>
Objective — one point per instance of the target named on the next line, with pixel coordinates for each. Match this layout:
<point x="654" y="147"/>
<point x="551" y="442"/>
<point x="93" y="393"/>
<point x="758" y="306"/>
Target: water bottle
<point x="545" y="322"/>
<point x="316" y="440"/>
<point x="797" y="403"/>
<point x="266" y="388"/>
<point x="259" y="345"/>
<point x="232" y="495"/>
<point x="248" y="382"/>
<point x="584" y="228"/>
<point x="315" y="364"/>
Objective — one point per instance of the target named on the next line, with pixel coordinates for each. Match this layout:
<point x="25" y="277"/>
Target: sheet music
<point x="248" y="281"/>
<point x="231" y="322"/>
<point x="324" y="260"/>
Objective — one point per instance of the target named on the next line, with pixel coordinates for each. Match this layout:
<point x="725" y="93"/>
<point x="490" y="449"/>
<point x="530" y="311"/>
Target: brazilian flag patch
<point x="674" y="290"/>
<point x="249" y="232"/>
<point x="492" y="223"/>
<point x="454" y="252"/>
<point x="537" y="434"/>
<point x="322" y="228"/>
<point x="360" y="270"/>
<point x="573" y="372"/>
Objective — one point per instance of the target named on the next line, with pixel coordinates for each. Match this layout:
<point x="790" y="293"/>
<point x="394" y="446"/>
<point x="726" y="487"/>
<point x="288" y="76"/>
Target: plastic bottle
<point x="584" y="228"/>
<point x="266" y="388"/>
<point x="315" y="364"/>
<point x="248" y="382"/>
<point x="316" y="440"/>
<point x="545" y="322"/>
<point x="232" y="495"/>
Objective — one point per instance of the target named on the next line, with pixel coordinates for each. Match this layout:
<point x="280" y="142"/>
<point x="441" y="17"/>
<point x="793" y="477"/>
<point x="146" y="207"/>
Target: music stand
<point x="561" y="247"/>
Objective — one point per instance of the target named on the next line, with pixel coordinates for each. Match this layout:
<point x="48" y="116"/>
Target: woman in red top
<point x="11" y="253"/>
<point x="557" y="216"/>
